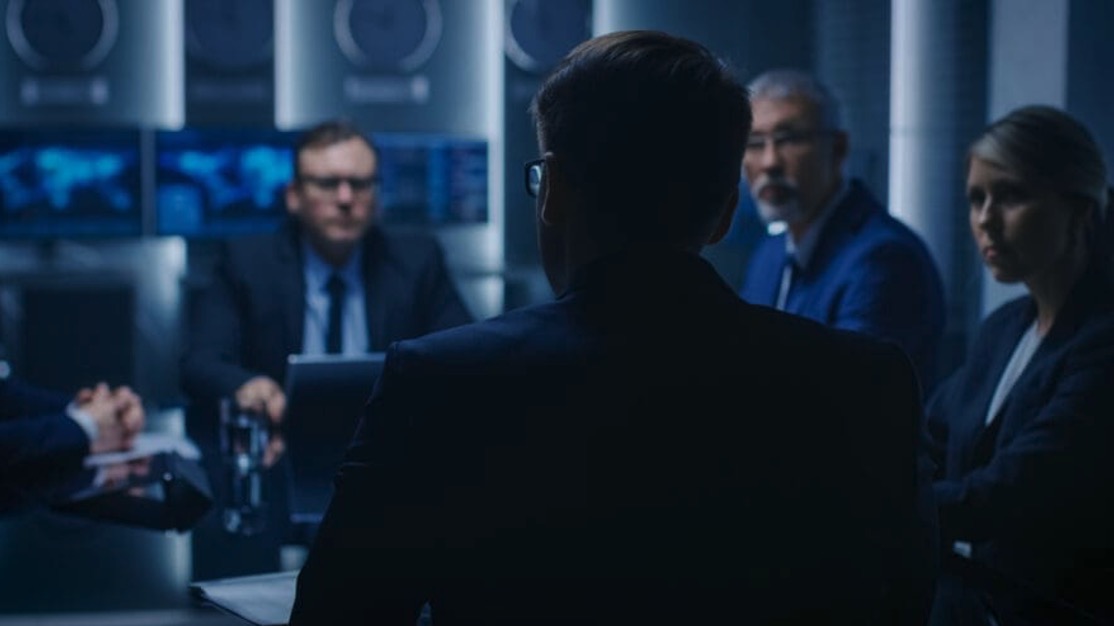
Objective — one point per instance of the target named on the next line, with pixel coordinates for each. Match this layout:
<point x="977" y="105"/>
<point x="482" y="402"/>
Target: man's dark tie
<point x="333" y="334"/>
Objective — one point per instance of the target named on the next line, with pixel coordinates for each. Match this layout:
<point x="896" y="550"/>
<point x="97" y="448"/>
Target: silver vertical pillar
<point x="937" y="105"/>
<point x="1028" y="65"/>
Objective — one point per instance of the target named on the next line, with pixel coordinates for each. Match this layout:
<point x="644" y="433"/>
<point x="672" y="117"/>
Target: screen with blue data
<point x="432" y="179"/>
<point x="219" y="182"/>
<point x="69" y="183"/>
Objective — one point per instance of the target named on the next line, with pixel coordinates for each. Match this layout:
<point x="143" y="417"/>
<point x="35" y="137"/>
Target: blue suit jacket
<point x="869" y="273"/>
<point x="574" y="461"/>
<point x="1034" y="491"/>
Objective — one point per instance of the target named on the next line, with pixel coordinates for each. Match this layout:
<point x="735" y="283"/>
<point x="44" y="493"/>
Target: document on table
<point x="263" y="600"/>
<point x="147" y="444"/>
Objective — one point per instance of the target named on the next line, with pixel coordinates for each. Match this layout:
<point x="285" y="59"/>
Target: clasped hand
<point x="118" y="414"/>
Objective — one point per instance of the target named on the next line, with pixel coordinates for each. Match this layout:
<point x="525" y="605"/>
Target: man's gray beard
<point x="788" y="211"/>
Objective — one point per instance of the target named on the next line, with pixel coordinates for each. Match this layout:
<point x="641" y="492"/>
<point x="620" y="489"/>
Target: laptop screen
<point x="325" y="397"/>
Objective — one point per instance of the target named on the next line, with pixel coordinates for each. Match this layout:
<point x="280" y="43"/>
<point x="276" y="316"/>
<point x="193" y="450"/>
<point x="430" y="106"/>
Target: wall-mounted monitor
<point x="430" y="179"/>
<point x="70" y="183"/>
<point x="219" y="182"/>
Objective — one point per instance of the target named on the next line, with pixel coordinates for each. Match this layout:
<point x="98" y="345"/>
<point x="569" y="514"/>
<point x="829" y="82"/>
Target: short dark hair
<point x="327" y="133"/>
<point x="637" y="119"/>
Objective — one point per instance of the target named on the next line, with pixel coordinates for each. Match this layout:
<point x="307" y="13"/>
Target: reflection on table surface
<point x="119" y="575"/>
<point x="60" y="569"/>
<point x="200" y="616"/>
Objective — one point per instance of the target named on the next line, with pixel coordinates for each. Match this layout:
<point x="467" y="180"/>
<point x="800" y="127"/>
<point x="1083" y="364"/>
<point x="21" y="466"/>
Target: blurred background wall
<point x="447" y="85"/>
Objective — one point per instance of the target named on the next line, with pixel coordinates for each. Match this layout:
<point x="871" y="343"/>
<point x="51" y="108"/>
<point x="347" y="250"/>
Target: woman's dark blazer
<point x="1033" y="492"/>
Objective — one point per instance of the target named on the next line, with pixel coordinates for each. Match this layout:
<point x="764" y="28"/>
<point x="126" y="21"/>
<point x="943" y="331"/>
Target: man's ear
<point x="1085" y="214"/>
<point x="727" y="215"/>
<point x="553" y="196"/>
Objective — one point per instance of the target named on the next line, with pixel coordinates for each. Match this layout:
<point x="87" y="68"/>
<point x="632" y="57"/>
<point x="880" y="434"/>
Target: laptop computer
<point x="325" y="397"/>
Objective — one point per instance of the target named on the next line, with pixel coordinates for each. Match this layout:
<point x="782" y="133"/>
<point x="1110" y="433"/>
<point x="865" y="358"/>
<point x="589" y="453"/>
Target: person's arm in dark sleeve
<point x="211" y="362"/>
<point x="1060" y="461"/>
<point x="370" y="561"/>
<point x="35" y="431"/>
<point x="27" y="445"/>
<point x="916" y="544"/>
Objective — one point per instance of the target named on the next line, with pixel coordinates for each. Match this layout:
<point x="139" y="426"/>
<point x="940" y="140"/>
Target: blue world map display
<point x="213" y="182"/>
<point x="221" y="182"/>
<point x="70" y="183"/>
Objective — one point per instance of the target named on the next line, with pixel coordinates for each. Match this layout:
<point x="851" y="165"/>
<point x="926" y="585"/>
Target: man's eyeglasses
<point x="534" y="171"/>
<point x="784" y="139"/>
<point x="331" y="184"/>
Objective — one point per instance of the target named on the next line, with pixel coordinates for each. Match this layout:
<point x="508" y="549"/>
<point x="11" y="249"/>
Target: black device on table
<point x="325" y="396"/>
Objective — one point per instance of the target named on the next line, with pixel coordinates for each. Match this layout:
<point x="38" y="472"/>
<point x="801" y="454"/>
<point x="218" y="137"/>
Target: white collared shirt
<point x="1022" y="353"/>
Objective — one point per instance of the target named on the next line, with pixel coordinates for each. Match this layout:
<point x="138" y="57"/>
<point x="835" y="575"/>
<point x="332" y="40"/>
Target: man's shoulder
<point x="883" y="227"/>
<point x="879" y="238"/>
<point x="843" y="369"/>
<point x="816" y="345"/>
<point x="402" y="247"/>
<point x="811" y="350"/>
<point x="402" y="239"/>
<point x="517" y="332"/>
<point x="256" y="248"/>
<point x="875" y="223"/>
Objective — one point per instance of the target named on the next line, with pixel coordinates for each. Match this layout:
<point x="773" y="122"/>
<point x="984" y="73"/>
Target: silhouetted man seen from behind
<point x="580" y="461"/>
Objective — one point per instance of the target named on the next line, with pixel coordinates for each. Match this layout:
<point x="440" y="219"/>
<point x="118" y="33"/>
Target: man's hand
<point x="129" y="411"/>
<point x="276" y="446"/>
<point x="263" y="395"/>
<point x="118" y="414"/>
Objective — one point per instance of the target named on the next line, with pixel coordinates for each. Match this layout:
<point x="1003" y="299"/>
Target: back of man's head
<point x="649" y="130"/>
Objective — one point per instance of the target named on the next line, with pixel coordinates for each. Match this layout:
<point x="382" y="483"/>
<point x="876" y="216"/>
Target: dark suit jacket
<point x="583" y="461"/>
<point x="38" y="441"/>
<point x="1034" y="492"/>
<point x="252" y="316"/>
<point x="869" y="273"/>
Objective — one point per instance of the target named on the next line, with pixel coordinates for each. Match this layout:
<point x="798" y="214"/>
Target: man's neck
<point x="798" y="229"/>
<point x="585" y="252"/>
<point x="336" y="256"/>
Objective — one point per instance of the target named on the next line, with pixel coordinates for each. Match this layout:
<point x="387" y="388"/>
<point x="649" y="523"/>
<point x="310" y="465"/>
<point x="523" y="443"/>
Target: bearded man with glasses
<point x="837" y="256"/>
